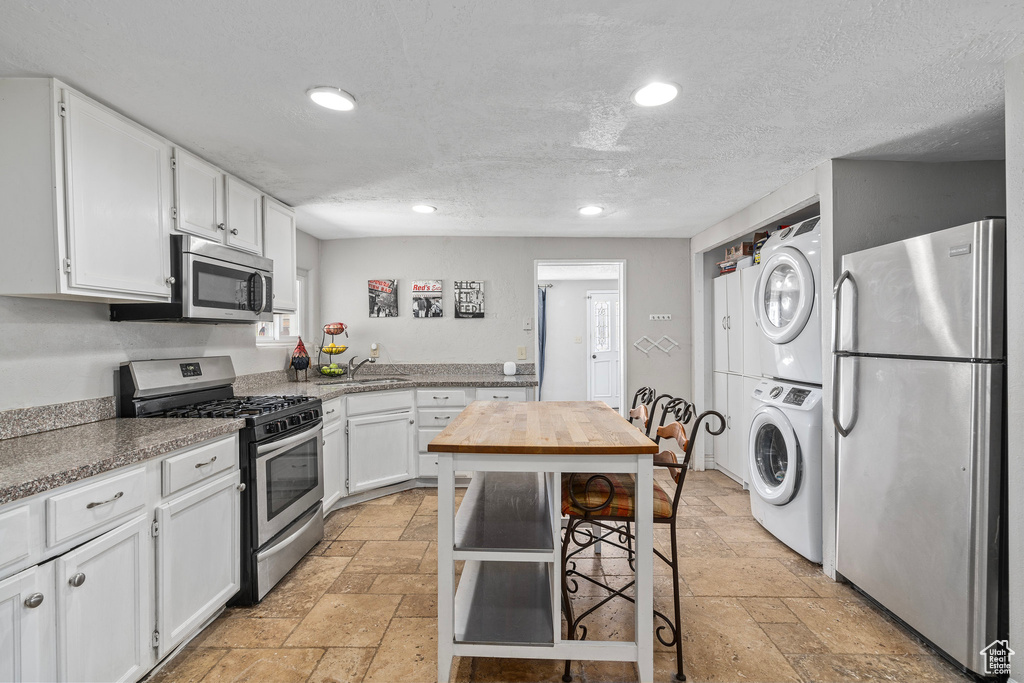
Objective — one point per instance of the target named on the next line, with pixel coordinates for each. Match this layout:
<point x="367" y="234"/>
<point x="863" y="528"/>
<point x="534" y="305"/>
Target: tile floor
<point x="362" y="607"/>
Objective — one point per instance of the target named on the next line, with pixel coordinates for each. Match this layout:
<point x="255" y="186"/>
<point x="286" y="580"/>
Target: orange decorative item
<point x="300" y="358"/>
<point x="332" y="369"/>
<point x="335" y="329"/>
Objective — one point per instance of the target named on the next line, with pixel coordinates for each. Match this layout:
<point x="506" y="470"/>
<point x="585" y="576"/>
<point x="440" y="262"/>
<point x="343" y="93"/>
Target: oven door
<point x="221" y="290"/>
<point x="289" y="480"/>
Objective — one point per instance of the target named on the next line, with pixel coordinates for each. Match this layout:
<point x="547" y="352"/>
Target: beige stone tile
<point x="462" y="670"/>
<point x="371" y="533"/>
<point x="405" y="584"/>
<point x="684" y="522"/>
<point x="418" y="606"/>
<point x="700" y="543"/>
<point x="701" y="511"/>
<point x="768" y="610"/>
<point x="800" y="566"/>
<point x="621" y="672"/>
<point x="738" y="529"/>
<point x="385" y="516"/>
<point x="733" y="504"/>
<point x="612" y="621"/>
<point x="408" y="652"/>
<point x="243" y="632"/>
<point x="345" y="620"/>
<point x="422" y="528"/>
<point x="827" y="588"/>
<point x="499" y="670"/>
<point x="388" y="557"/>
<point x="694" y="500"/>
<point x="718" y="479"/>
<point x="300" y="588"/>
<point x="342" y="548"/>
<point x="428" y="565"/>
<point x="619" y="566"/>
<point x="286" y="665"/>
<point x="866" y="668"/>
<point x="794" y="639"/>
<point x="721" y="642"/>
<point x="741" y="576"/>
<point x="384" y="500"/>
<point x="338" y="521"/>
<point x="342" y="665"/>
<point x="189" y="666"/>
<point x="352" y="583"/>
<point x="410" y="497"/>
<point x="849" y="627"/>
<point x="770" y="548"/>
<point x="428" y="506"/>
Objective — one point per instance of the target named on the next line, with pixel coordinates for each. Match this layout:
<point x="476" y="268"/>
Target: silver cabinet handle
<point x="77" y="579"/>
<point x="442" y="417"/>
<point x="412" y="422"/>
<point x="34" y="600"/>
<point x="728" y="422"/>
<point x="208" y="462"/>
<point x="117" y="495"/>
<point x="330" y="411"/>
<point x="728" y="322"/>
<point x="234" y="231"/>
<point x="441" y="398"/>
<point x="500" y="397"/>
<point x="221" y="226"/>
<point x="170" y="280"/>
<point x="240" y="487"/>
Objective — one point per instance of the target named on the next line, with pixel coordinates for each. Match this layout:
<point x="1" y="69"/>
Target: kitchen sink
<point x="361" y="380"/>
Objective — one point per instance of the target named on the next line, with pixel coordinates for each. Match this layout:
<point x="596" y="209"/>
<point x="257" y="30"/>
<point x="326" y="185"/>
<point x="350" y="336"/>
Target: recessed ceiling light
<point x="332" y="98"/>
<point x="591" y="210"/>
<point x="655" y="94"/>
<point x="424" y="208"/>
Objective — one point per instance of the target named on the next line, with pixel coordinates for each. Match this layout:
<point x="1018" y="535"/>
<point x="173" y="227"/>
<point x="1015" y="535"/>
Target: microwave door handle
<point x="261" y="306"/>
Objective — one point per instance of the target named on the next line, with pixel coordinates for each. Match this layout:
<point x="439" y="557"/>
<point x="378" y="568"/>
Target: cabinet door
<point x="243" y="215"/>
<point x="737" y="431"/>
<point x="380" y="450"/>
<point x="118" y="202"/>
<point x="28" y="627"/>
<point x="720" y="401"/>
<point x="104" y="624"/>
<point x="734" y="321"/>
<point x="279" y="245"/>
<point x="719" y="324"/>
<point x="334" y="463"/>
<point x="198" y="548"/>
<point x="750" y="331"/>
<point x="198" y="196"/>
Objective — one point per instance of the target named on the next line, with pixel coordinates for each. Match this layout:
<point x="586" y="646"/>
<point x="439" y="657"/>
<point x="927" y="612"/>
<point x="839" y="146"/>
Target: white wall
<point x="657" y="281"/>
<point x="1015" y="349"/>
<point x="58" y="351"/>
<point x="565" y="367"/>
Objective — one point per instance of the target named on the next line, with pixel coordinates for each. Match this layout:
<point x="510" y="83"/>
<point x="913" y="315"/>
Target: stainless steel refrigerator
<point x="918" y="373"/>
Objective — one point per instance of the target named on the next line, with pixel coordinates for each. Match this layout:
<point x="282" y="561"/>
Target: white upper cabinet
<point x="198" y="197"/>
<point x="279" y="245"/>
<point x="243" y="215"/>
<point x="88" y="194"/>
<point x="728" y="323"/>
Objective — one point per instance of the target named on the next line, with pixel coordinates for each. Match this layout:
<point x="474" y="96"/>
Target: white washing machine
<point x="784" y="459"/>
<point x="787" y="303"/>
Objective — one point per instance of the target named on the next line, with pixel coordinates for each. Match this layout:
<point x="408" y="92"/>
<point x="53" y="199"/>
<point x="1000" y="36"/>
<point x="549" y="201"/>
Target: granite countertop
<point x="326" y="388"/>
<point x="44" y="461"/>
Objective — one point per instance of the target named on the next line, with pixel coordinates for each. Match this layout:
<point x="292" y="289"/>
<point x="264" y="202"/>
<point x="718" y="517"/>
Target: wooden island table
<point x="508" y="529"/>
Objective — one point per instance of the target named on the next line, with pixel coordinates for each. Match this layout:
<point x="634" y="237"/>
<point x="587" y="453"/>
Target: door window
<point x="771" y="456"/>
<point x="782" y="295"/>
<point x="291" y="475"/>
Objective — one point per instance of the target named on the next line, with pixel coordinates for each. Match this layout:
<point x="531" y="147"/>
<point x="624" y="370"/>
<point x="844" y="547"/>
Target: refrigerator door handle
<point x="837" y="355"/>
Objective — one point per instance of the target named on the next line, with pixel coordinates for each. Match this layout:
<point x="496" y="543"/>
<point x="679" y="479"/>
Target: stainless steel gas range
<point x="281" y="456"/>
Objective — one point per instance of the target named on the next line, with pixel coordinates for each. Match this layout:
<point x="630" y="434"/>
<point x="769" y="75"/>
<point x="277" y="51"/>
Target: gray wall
<point x="58" y="351"/>
<point x="657" y="281"/>
<point x="1015" y="349"/>
<point x="565" y="367"/>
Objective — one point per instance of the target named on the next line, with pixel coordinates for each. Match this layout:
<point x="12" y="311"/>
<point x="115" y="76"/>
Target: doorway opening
<point x="581" y="316"/>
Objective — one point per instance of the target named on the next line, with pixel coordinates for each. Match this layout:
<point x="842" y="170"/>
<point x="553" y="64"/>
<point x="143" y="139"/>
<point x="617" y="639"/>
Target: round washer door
<point x="784" y="295"/>
<point x="774" y="456"/>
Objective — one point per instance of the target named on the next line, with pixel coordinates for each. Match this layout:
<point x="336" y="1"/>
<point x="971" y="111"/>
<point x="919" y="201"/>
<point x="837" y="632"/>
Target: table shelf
<point x="505" y="512"/>
<point x="504" y="603"/>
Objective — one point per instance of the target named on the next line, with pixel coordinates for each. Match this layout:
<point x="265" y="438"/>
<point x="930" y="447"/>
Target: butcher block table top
<point x="541" y="427"/>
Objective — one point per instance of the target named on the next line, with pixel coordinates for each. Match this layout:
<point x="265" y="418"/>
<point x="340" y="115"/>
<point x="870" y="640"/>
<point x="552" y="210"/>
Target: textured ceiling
<point x="509" y="114"/>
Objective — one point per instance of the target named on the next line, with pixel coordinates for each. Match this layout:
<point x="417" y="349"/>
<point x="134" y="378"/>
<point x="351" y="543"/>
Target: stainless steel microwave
<point x="211" y="283"/>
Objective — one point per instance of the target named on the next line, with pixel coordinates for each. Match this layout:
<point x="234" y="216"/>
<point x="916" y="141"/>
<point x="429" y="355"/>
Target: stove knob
<point x="272" y="428"/>
<point x="294" y="420"/>
<point x="281" y="425"/>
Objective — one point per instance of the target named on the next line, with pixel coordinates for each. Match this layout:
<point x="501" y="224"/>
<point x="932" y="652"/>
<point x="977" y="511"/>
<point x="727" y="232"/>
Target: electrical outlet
<point x="520" y="353"/>
<point x="578" y="340"/>
<point x="374" y="350"/>
<point x="661" y="316"/>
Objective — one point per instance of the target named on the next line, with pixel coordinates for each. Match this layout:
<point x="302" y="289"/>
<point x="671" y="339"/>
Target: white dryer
<point x="784" y="459"/>
<point x="787" y="303"/>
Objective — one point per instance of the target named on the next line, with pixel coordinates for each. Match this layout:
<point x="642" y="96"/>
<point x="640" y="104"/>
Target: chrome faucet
<point x="353" y="366"/>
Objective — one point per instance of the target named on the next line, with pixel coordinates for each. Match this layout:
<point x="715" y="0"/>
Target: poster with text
<point x="383" y="298"/>
<point x="426" y="299"/>
<point x="469" y="299"/>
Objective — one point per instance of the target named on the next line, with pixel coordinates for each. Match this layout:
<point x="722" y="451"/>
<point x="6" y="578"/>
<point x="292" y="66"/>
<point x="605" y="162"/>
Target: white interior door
<point x="603" y="347"/>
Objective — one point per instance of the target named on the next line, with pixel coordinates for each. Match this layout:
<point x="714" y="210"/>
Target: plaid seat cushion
<point x="622" y="502"/>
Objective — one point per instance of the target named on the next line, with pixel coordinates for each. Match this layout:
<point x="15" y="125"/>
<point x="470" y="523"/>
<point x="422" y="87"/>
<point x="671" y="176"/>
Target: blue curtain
<point x="542" y="335"/>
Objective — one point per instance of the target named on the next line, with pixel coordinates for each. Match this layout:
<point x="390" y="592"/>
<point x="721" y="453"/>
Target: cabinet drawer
<point x="442" y="398"/>
<point x="379" y="402"/>
<point x="437" y="419"/>
<point x="428" y="465"/>
<point x="94" y="505"/>
<point x="14" y="535"/>
<point x="425" y="436"/>
<point x="332" y="410"/>
<point x="182" y="470"/>
<point x="501" y="394"/>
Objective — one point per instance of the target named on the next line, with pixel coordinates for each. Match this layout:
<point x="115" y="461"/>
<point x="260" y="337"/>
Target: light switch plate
<point x="375" y="350"/>
<point x="578" y="340"/>
<point x="520" y="353"/>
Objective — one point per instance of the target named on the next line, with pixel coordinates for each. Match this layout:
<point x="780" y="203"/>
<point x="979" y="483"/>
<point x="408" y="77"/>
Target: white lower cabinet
<point x="28" y="626"/>
<point x="197" y="554"/>
<point x="731" y="400"/>
<point x="104" y="610"/>
<point x="334" y="463"/>
<point x="380" y="450"/>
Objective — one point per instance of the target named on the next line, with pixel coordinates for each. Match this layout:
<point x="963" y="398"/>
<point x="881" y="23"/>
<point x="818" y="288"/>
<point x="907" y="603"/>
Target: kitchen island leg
<point x="645" y="566"/>
<point x="445" y="565"/>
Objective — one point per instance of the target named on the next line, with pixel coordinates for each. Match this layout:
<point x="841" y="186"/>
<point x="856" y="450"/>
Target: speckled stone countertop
<point x="327" y="389"/>
<point x="44" y="461"/>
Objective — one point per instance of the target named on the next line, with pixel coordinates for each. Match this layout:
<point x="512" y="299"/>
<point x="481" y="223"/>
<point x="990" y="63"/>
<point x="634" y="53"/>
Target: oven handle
<point x="288" y="441"/>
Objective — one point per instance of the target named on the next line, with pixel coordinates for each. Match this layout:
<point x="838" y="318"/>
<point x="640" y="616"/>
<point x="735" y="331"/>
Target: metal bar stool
<point x="607" y="502"/>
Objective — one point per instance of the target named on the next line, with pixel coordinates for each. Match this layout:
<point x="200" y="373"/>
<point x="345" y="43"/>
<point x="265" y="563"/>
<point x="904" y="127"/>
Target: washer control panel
<point x="776" y="392"/>
<point x="796" y="397"/>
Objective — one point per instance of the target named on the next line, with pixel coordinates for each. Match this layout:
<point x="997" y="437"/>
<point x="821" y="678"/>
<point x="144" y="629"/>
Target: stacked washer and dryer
<point x="784" y="452"/>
